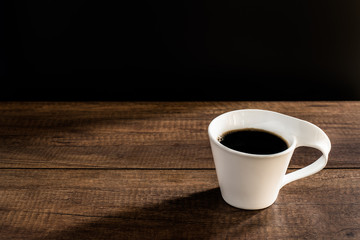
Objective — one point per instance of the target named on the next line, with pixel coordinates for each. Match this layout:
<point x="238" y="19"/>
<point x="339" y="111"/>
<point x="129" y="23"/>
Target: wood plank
<point x="170" y="204"/>
<point x="151" y="134"/>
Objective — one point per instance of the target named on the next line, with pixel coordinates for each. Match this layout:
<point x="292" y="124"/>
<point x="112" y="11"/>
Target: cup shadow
<point x="202" y="215"/>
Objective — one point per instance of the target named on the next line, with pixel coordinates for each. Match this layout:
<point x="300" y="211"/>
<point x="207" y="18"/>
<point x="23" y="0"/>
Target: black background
<point x="180" y="50"/>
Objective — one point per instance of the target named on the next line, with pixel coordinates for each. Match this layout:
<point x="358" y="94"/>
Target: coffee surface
<point x="254" y="141"/>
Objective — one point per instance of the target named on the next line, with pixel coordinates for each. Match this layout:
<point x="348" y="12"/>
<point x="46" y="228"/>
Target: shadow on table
<point x="201" y="215"/>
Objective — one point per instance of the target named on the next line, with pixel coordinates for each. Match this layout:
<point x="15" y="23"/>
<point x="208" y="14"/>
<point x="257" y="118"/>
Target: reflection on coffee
<point x="254" y="141"/>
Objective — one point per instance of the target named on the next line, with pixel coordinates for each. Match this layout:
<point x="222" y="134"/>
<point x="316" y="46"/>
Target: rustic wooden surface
<point x="144" y="170"/>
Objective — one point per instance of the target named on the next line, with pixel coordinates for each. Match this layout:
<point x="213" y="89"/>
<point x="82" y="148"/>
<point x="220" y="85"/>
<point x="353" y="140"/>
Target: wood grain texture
<point x="144" y="170"/>
<point x="151" y="134"/>
<point x="170" y="204"/>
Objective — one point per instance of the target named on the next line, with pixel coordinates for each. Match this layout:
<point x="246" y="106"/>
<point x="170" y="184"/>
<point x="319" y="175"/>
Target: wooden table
<point x="144" y="170"/>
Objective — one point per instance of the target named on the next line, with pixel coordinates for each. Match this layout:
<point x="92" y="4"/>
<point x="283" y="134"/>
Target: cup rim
<point x="225" y="148"/>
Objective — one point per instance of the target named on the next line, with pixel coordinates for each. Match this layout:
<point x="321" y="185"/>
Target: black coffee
<point x="253" y="141"/>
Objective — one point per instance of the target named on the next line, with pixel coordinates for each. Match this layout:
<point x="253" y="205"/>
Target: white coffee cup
<point x="253" y="181"/>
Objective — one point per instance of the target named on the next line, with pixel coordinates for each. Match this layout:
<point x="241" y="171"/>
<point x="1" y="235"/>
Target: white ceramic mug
<point x="251" y="181"/>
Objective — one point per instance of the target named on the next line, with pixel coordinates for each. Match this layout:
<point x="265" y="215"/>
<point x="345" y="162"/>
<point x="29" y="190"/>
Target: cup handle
<point x="309" y="135"/>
